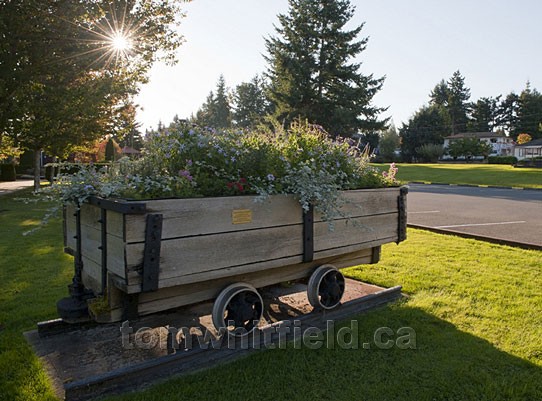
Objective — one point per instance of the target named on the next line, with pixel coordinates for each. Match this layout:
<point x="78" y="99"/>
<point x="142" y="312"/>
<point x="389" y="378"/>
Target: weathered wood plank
<point x="190" y="217"/>
<point x="92" y="241"/>
<point x="92" y="275"/>
<point x="134" y="279"/>
<point x="187" y="294"/>
<point x="90" y="216"/>
<point x="69" y="227"/>
<point x="271" y="247"/>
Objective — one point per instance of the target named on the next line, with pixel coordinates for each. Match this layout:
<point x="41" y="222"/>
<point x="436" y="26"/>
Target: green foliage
<point x="183" y="161"/>
<point x="216" y="111"/>
<point x="428" y="125"/>
<point x="529" y="113"/>
<point x="110" y="151"/>
<point x="469" y="148"/>
<point x="312" y="71"/>
<point x="251" y="104"/>
<point x="7" y="172"/>
<point x="62" y="81"/>
<point x="430" y="152"/>
<point x="388" y="143"/>
<point x="474" y="307"/>
<point x="458" y="106"/>
<point x="452" y="96"/>
<point x="483" y="115"/>
<point x="502" y="160"/>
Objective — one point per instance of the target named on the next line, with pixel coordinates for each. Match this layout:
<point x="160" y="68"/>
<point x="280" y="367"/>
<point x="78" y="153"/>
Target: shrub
<point x="7" y="172"/>
<point x="502" y="160"/>
<point x="430" y="152"/>
<point x="188" y="162"/>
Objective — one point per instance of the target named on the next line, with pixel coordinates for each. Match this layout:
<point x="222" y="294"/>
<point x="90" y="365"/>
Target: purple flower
<point x="270" y="177"/>
<point x="185" y="174"/>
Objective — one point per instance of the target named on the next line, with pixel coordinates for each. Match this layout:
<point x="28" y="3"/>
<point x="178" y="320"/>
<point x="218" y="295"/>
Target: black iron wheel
<point x="326" y="287"/>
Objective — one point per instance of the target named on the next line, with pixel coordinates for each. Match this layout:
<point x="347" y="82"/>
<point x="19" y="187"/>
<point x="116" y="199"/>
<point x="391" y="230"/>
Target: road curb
<point x="474" y="186"/>
<point x="492" y="240"/>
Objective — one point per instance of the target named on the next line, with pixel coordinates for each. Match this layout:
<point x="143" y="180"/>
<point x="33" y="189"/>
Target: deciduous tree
<point x="68" y="68"/>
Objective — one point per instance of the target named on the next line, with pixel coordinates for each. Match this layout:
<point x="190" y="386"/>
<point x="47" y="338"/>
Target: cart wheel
<point x="238" y="309"/>
<point x="326" y="287"/>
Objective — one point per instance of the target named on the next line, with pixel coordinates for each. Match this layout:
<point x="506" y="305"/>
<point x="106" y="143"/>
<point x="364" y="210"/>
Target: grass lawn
<point x="475" y="308"/>
<point x="476" y="174"/>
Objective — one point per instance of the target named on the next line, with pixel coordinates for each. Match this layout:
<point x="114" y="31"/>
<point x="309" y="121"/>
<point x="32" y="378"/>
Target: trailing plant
<point x="187" y="162"/>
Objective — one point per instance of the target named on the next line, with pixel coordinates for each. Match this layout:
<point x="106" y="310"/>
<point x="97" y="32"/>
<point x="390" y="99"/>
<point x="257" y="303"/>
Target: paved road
<point x="504" y="214"/>
<point x="7" y="187"/>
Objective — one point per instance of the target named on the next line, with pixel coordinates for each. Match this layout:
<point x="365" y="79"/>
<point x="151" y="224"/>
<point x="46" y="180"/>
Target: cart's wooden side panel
<point x="186" y="294"/>
<point x="91" y="243"/>
<point x="204" y="216"/>
<point x="183" y="256"/>
<point x="214" y="239"/>
<point x="69" y="228"/>
<point x="229" y="249"/>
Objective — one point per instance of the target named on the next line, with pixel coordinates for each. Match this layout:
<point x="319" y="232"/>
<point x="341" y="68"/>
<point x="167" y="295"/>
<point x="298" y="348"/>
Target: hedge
<point x="502" y="160"/>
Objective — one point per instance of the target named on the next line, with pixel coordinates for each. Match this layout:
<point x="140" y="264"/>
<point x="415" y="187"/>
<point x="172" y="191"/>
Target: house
<point x="501" y="144"/>
<point x="529" y="150"/>
<point x="130" y="152"/>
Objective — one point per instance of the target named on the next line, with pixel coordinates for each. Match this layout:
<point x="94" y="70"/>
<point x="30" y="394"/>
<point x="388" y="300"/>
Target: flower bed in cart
<point x="206" y="215"/>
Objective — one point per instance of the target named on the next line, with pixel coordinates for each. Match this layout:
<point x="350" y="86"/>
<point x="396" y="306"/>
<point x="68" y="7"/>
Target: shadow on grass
<point x="447" y="364"/>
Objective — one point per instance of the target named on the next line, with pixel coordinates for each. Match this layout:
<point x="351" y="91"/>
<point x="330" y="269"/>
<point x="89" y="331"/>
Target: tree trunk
<point x="37" y="168"/>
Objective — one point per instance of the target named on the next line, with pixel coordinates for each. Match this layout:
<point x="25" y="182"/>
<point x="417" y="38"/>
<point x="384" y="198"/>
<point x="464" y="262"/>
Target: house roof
<point x="536" y="142"/>
<point x="478" y="135"/>
<point x="130" y="150"/>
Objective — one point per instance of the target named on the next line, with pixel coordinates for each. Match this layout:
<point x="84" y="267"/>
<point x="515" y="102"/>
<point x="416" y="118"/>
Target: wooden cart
<point x="143" y="257"/>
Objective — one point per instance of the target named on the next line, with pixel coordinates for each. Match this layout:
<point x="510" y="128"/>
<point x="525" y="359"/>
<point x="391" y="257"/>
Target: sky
<point x="495" y="44"/>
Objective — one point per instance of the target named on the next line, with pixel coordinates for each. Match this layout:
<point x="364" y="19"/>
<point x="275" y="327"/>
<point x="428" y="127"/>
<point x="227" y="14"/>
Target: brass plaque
<point x="241" y="216"/>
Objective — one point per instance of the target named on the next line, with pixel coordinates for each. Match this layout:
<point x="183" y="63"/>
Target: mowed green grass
<point x="475" y="308"/>
<point x="473" y="174"/>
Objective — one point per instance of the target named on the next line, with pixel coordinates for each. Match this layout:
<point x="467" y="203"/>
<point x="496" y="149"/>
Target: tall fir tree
<point x="507" y="113"/>
<point x="311" y="70"/>
<point x="529" y="113"/>
<point x="453" y="97"/>
<point x="215" y="112"/>
<point x="250" y="103"/>
<point x="483" y="115"/>
<point x="458" y="103"/>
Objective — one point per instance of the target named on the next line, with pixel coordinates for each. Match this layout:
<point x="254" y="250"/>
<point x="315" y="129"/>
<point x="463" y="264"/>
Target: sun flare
<point x="120" y="42"/>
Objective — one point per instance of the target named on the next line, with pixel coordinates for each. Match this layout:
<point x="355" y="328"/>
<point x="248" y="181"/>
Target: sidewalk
<point x="7" y="187"/>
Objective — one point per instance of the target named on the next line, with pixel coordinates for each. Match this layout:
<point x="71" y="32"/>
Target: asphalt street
<point x="502" y="214"/>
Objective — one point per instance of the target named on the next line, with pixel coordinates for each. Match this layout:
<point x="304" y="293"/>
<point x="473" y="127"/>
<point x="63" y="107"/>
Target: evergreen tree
<point x="311" y="72"/>
<point x="428" y="126"/>
<point x="458" y="106"/>
<point x="110" y="150"/>
<point x="251" y="103"/>
<point x="507" y="113"/>
<point x="439" y="95"/>
<point x="483" y="115"/>
<point x="389" y="142"/>
<point x="215" y="112"/>
<point x="453" y="97"/>
<point x="529" y="113"/>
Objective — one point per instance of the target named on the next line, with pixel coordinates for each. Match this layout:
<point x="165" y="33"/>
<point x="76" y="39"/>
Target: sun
<point x="120" y="42"/>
